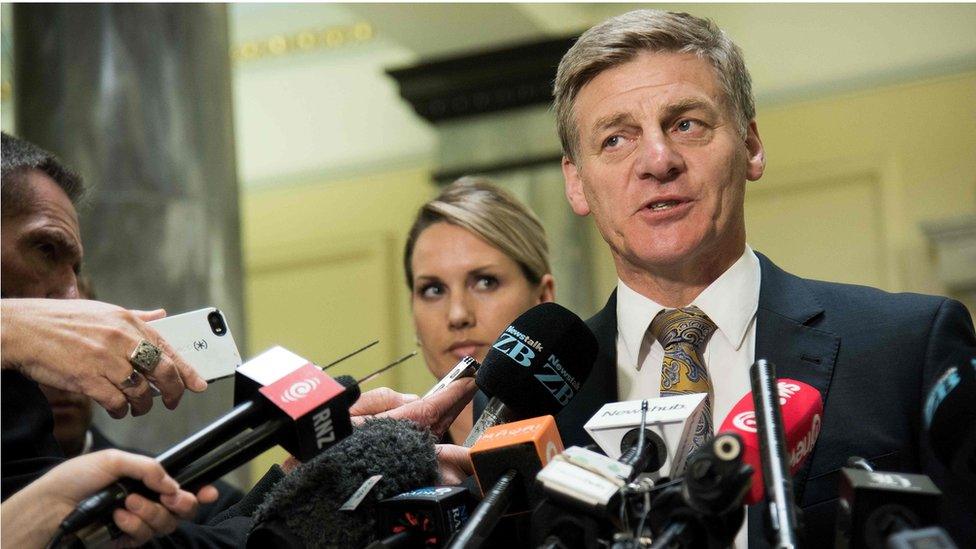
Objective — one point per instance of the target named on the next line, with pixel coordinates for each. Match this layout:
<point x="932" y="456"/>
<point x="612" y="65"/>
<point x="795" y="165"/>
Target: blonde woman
<point x="475" y="259"/>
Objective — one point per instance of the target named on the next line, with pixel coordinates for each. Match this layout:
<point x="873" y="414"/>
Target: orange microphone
<point x="506" y="460"/>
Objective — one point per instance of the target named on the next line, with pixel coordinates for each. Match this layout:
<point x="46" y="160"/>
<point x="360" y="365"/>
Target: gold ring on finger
<point x="146" y="357"/>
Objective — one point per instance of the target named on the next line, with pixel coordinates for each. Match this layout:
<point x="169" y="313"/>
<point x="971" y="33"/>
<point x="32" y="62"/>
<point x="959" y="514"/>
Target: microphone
<point x="646" y="451"/>
<point x="305" y="411"/>
<point x="506" y="460"/>
<point x="874" y="507"/>
<point x="535" y="367"/>
<point x="704" y="509"/>
<point x="426" y="517"/>
<point x="332" y="499"/>
<point x="802" y="409"/>
<point x="781" y="519"/>
<point x="950" y="420"/>
<point x="671" y="422"/>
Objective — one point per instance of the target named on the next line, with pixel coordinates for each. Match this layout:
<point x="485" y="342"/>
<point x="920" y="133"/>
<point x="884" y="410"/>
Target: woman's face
<point x="465" y="292"/>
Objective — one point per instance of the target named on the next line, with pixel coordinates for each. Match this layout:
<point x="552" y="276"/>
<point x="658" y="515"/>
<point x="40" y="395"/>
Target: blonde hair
<point x="620" y="39"/>
<point x="475" y="204"/>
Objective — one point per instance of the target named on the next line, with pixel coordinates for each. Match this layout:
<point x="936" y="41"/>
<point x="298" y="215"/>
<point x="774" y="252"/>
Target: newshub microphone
<point x="331" y="501"/>
<point x="506" y="460"/>
<point x="535" y="367"/>
<point x="305" y="411"/>
<point x="671" y="422"/>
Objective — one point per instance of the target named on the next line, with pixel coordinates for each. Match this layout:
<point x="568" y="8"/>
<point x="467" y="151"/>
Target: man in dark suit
<point x="657" y="120"/>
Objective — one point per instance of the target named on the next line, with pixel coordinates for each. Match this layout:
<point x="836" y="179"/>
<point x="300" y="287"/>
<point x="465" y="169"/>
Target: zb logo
<point x="515" y="349"/>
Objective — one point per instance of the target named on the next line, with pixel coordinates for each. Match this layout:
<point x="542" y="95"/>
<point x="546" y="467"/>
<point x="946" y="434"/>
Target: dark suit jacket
<point x="30" y="450"/>
<point x="871" y="354"/>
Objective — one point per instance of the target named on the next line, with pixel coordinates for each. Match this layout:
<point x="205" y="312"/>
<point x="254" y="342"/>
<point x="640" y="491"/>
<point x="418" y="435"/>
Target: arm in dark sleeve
<point x="228" y="529"/>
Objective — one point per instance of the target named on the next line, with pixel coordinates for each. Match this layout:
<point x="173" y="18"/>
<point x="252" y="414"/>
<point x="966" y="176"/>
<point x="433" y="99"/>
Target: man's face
<point x="662" y="166"/>
<point x="41" y="255"/>
<point x="41" y="248"/>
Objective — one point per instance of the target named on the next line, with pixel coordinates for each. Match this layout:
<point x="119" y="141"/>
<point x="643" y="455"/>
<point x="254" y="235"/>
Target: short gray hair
<point x="620" y="39"/>
<point x="475" y="204"/>
<point x="21" y="156"/>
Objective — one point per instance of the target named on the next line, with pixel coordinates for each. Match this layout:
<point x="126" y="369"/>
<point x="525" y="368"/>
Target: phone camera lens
<point x="216" y="321"/>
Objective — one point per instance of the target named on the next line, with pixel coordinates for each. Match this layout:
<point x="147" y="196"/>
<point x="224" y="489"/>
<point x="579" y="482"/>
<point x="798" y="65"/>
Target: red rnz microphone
<point x="802" y="410"/>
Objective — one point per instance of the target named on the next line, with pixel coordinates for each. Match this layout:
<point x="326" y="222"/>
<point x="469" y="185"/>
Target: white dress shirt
<point x="731" y="302"/>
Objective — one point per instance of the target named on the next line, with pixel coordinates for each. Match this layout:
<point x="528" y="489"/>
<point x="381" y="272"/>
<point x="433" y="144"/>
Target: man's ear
<point x="574" y="188"/>
<point x="757" y="155"/>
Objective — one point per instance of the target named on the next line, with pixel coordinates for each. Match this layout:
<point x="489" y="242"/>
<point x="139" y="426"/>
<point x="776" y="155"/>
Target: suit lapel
<point x="791" y="333"/>
<point x="601" y="385"/>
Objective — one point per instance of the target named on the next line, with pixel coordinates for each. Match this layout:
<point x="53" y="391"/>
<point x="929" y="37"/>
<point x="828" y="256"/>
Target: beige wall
<point x="323" y="275"/>
<point x="849" y="178"/>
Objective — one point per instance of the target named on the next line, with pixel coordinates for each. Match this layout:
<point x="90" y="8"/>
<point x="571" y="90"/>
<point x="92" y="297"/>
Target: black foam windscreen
<point x="352" y="388"/>
<point x="304" y="506"/>
<point x="540" y="361"/>
<point x="950" y="418"/>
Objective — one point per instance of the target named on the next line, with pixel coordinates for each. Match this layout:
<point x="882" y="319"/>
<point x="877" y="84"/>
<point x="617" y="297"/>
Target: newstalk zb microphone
<point x="535" y="367"/>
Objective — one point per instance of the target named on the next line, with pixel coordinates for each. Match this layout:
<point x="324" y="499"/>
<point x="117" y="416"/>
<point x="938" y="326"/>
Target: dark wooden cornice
<point x="485" y="82"/>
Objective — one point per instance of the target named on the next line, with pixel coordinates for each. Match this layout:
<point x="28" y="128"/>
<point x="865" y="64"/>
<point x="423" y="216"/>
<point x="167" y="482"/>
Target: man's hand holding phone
<point x="90" y="347"/>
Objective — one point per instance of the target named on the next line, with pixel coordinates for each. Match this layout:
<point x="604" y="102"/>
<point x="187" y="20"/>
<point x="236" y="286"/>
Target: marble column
<point x="137" y="98"/>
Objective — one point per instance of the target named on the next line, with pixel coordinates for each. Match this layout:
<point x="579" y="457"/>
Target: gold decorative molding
<point x="302" y="41"/>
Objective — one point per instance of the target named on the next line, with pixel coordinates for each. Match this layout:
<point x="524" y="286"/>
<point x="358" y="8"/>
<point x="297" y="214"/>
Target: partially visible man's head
<point x="41" y="238"/>
<point x="620" y="39"/>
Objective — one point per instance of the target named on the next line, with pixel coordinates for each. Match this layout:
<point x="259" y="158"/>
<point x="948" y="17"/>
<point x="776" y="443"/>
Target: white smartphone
<point x="203" y="339"/>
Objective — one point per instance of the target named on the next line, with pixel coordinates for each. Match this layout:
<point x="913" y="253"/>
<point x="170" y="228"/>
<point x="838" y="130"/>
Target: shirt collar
<point x="730" y="301"/>
<point x="634" y="314"/>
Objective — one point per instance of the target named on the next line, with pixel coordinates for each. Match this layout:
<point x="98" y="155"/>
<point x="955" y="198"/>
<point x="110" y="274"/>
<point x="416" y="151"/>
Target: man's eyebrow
<point x="59" y="239"/>
<point x="609" y="121"/>
<point x="682" y="106"/>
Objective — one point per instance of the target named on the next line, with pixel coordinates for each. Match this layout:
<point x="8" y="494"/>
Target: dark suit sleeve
<point x="229" y="528"/>
<point x="29" y="448"/>
<point x="951" y="340"/>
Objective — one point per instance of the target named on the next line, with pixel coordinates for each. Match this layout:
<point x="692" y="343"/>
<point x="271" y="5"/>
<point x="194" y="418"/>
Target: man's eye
<point x="48" y="250"/>
<point x="611" y="141"/>
<point x="685" y="126"/>
<point x="486" y="283"/>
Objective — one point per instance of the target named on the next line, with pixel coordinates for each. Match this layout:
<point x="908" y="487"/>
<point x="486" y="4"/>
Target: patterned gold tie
<point x="684" y="334"/>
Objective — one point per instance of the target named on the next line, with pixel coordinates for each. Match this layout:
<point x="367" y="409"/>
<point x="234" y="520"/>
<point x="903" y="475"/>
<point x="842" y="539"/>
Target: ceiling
<point x="793" y="50"/>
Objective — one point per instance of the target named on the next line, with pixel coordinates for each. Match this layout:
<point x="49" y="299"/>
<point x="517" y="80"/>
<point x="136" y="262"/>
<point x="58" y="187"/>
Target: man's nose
<point x="658" y="158"/>
<point x="461" y="314"/>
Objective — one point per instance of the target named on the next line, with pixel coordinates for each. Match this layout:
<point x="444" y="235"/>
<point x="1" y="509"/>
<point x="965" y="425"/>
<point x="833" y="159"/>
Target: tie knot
<point x="686" y="325"/>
